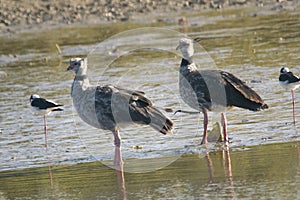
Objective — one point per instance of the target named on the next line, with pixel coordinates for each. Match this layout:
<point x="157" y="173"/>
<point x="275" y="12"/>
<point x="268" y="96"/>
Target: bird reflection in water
<point x="118" y="165"/>
<point x="215" y="135"/>
<point x="227" y="169"/>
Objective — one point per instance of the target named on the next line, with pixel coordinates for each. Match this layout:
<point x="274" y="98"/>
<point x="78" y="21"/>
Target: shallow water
<point x="250" y="44"/>
<point x="258" y="172"/>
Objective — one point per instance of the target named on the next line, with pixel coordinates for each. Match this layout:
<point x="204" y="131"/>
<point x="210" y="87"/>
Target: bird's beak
<point x="70" y="68"/>
<point x="177" y="47"/>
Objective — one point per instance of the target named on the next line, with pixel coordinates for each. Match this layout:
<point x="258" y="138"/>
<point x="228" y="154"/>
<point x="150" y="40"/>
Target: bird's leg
<point x="293" y="101"/>
<point x="118" y="162"/>
<point x="45" y="131"/>
<point x="224" y="125"/>
<point x="205" y="124"/>
<point x="117" y="138"/>
<point x="118" y="157"/>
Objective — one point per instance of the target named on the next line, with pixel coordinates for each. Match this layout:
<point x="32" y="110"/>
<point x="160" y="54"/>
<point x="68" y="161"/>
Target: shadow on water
<point x="263" y="160"/>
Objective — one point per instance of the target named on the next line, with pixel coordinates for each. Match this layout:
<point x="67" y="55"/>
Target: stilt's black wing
<point x="289" y="76"/>
<point x="42" y="103"/>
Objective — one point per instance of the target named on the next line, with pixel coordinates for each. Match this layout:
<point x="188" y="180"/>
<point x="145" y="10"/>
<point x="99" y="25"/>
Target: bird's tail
<point x="258" y="106"/>
<point x="160" y="122"/>
<point x="264" y="106"/>
<point x="57" y="109"/>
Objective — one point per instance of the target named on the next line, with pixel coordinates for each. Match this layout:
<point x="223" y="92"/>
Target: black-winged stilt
<point x="290" y="82"/>
<point x="46" y="107"/>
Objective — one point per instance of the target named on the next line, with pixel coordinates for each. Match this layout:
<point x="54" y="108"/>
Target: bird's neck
<point x="80" y="83"/>
<point x="185" y="61"/>
<point x="188" y="64"/>
<point x="82" y="70"/>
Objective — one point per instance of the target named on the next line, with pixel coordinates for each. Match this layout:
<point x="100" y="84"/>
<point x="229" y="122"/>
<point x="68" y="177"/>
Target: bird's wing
<point x="135" y="96"/>
<point x="141" y="93"/>
<point x="123" y="106"/>
<point x="120" y="101"/>
<point x="290" y="77"/>
<point x="43" y="103"/>
<point x="234" y="84"/>
<point x="127" y="104"/>
<point x="198" y="82"/>
<point x="142" y="111"/>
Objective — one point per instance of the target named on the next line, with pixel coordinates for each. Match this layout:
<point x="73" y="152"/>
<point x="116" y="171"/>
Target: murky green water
<point x="260" y="172"/>
<point x="264" y="156"/>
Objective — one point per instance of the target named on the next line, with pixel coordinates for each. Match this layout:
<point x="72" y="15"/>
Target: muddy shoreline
<point x="25" y="14"/>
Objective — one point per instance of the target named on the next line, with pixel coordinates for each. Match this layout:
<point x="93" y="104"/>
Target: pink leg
<point x="50" y="176"/>
<point x="224" y="125"/>
<point x="229" y="171"/>
<point x="45" y="131"/>
<point x="118" y="164"/>
<point x="46" y="145"/>
<point x="117" y="137"/>
<point x="210" y="167"/>
<point x="205" y="124"/>
<point x="293" y="100"/>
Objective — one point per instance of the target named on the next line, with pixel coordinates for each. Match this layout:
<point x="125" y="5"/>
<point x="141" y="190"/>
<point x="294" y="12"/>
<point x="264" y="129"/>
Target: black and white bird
<point x="46" y="107"/>
<point x="109" y="107"/>
<point x="213" y="90"/>
<point x="289" y="81"/>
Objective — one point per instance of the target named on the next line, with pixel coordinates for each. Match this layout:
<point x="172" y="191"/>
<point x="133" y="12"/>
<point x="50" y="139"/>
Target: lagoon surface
<point x="263" y="159"/>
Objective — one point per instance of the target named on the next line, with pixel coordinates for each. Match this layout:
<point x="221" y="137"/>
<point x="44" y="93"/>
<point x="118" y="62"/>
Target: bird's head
<point x="75" y="64"/>
<point x="186" y="47"/>
<point x="284" y="70"/>
<point x="34" y="96"/>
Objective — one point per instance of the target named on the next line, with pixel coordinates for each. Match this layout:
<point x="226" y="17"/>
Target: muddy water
<point x="264" y="157"/>
<point x="266" y="171"/>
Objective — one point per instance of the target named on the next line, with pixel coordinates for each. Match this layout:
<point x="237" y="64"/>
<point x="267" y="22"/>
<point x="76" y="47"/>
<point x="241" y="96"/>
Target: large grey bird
<point x="213" y="90"/>
<point x="109" y="107"/>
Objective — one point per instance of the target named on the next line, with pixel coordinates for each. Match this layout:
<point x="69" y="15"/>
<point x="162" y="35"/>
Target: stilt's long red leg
<point x="293" y="101"/>
<point x="46" y="145"/>
<point x="45" y="131"/>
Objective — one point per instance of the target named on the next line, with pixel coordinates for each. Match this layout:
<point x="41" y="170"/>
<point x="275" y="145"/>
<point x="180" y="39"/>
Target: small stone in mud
<point x="256" y="81"/>
<point x="137" y="147"/>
